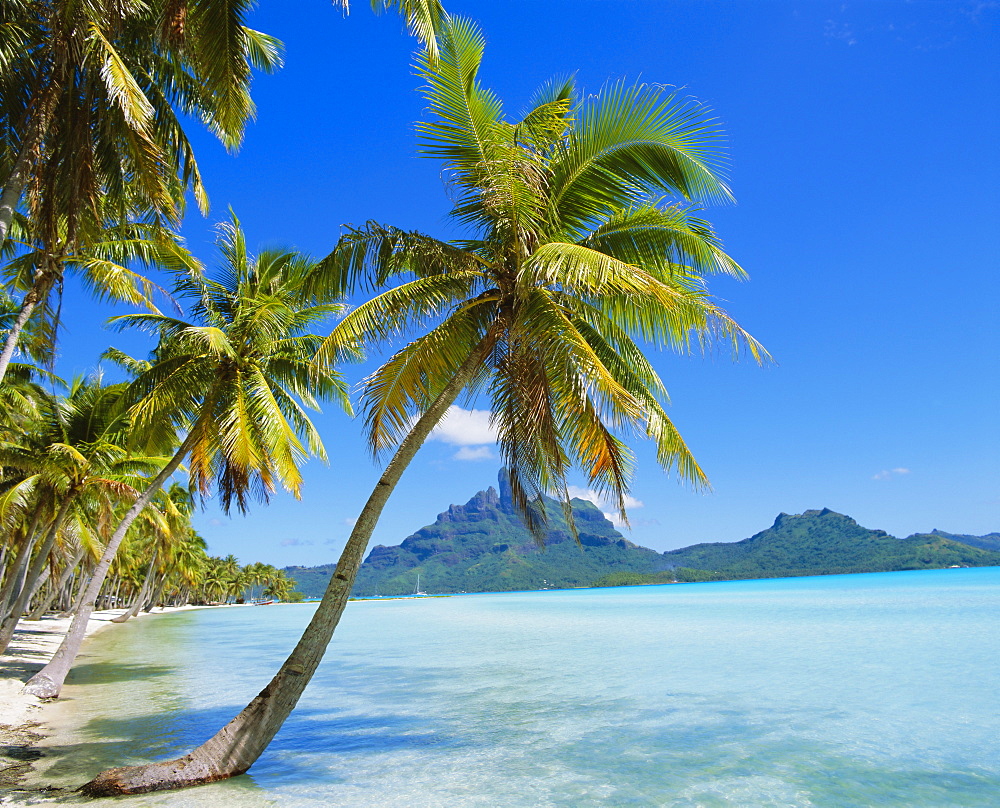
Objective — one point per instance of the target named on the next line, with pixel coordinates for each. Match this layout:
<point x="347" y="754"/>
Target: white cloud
<point x="886" y="474"/>
<point x="465" y="428"/>
<point x="296" y="543"/>
<point x="350" y="521"/>
<point x="602" y="502"/>
<point x="589" y="494"/>
<point x="474" y="453"/>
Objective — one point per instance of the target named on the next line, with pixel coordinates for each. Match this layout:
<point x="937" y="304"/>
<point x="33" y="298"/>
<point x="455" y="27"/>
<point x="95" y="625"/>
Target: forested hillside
<point x="483" y="546"/>
<point x="816" y="542"/>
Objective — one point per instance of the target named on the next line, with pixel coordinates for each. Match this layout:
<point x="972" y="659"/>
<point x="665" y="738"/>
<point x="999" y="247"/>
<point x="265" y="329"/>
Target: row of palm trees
<point x="67" y="474"/>
<point x="582" y="241"/>
<point x="224" y="392"/>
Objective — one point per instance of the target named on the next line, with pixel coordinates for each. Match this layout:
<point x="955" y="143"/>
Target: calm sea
<point x="874" y="690"/>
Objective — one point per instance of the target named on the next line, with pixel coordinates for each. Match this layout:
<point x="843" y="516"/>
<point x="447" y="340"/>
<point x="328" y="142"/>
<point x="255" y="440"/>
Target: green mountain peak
<point x="483" y="546"/>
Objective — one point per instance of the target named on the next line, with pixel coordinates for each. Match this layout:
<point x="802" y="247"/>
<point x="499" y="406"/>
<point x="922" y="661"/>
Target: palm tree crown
<point x="238" y="376"/>
<point x="583" y="239"/>
<point x="235" y="382"/>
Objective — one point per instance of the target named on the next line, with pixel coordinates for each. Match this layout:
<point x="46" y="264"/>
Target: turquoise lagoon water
<point x="876" y="690"/>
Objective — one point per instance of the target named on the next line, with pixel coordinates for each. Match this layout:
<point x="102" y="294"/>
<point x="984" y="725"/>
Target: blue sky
<point x="864" y="161"/>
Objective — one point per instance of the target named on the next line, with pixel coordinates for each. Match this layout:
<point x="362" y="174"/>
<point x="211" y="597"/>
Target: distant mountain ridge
<point x="823" y="542"/>
<point x="483" y="546"/>
<point x="991" y="541"/>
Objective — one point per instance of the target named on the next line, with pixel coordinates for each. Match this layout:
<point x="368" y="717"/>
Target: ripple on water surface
<point x="835" y="691"/>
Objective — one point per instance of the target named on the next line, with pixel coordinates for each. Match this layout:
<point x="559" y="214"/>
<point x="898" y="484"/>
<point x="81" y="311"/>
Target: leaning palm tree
<point x="77" y="455"/>
<point x="111" y="264"/>
<point x="574" y="251"/>
<point x="92" y="99"/>
<point x="231" y="382"/>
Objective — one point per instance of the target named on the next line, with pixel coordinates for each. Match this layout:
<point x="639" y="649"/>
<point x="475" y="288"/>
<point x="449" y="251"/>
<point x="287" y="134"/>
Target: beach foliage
<point x="96" y="101"/>
<point x="228" y="389"/>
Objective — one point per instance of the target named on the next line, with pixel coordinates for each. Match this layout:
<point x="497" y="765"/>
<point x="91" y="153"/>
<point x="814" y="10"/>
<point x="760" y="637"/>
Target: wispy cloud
<point x="474" y="453"/>
<point x="297" y="543"/>
<point x="350" y="521"/>
<point x="888" y="474"/>
<point x="840" y="31"/>
<point x="602" y="502"/>
<point x="461" y="427"/>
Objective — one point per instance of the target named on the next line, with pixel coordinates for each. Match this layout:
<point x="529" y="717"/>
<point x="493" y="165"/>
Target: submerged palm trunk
<point x="48" y="682"/>
<point x="235" y="748"/>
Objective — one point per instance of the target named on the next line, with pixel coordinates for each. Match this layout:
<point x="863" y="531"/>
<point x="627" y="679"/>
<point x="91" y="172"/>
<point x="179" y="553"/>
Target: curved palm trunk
<point x="76" y="600"/>
<point x="19" y="566"/>
<point x="235" y="747"/>
<point x="17" y="180"/>
<point x="16" y="576"/>
<point x="58" y="587"/>
<point x="13" y="189"/>
<point x="140" y="596"/>
<point x="34" y="572"/>
<point x="42" y="582"/>
<point x="48" y="682"/>
<point x="36" y="295"/>
<point x="157" y="593"/>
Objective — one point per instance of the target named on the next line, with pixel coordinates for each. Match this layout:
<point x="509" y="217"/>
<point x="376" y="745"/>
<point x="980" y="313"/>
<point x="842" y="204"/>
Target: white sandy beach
<point x="24" y="718"/>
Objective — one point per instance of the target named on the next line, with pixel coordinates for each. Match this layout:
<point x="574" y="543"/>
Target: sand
<point x="23" y="718"/>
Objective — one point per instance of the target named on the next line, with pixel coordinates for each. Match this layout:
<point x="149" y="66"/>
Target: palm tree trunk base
<point x="43" y="687"/>
<point x="180" y="773"/>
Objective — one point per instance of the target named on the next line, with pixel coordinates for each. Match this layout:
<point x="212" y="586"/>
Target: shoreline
<point x="23" y="718"/>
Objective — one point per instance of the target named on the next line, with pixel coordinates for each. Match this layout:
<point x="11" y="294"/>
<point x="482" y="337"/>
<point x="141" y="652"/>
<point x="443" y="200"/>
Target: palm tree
<point x="93" y="95"/>
<point x="107" y="263"/>
<point x="167" y="523"/>
<point x="279" y="586"/>
<point x="85" y="82"/>
<point x="78" y="461"/>
<point x="573" y="252"/>
<point x="232" y="380"/>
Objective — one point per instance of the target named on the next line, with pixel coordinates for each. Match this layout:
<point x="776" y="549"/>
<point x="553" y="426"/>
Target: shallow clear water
<point x="836" y="691"/>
